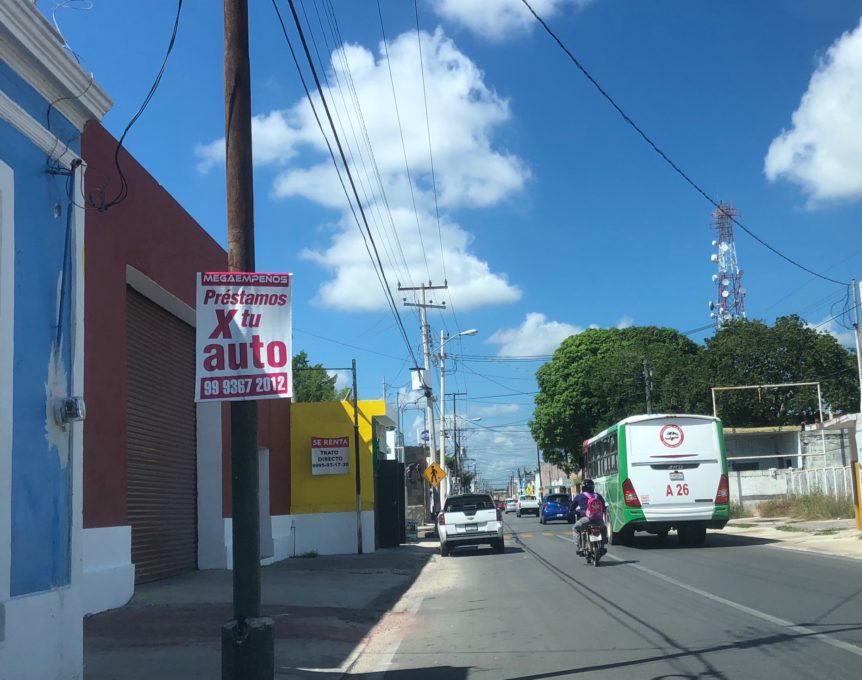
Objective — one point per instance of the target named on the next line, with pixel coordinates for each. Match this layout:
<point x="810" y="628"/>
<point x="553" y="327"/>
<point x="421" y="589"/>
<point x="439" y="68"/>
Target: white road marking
<point x="802" y="630"/>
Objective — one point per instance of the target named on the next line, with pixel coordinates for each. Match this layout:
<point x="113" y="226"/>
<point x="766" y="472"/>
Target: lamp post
<point x="443" y="340"/>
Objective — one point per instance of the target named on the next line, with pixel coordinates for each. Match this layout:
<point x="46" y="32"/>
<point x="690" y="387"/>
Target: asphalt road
<point x="736" y="608"/>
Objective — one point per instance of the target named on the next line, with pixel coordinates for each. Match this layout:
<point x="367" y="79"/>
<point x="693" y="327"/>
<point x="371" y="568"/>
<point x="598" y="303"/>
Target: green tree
<point x="752" y="353"/>
<point x="312" y="382"/>
<point x="597" y="377"/>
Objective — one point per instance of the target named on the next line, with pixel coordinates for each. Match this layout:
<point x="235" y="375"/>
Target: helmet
<point x="587" y="485"/>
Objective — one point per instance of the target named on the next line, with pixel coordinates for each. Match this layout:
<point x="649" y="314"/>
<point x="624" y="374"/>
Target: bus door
<point x="675" y="467"/>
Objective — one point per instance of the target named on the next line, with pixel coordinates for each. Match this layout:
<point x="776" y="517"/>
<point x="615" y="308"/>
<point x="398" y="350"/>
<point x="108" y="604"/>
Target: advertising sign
<point x="243" y="336"/>
<point x="330" y="455"/>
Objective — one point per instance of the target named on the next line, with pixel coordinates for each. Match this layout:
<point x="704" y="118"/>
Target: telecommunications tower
<point x="729" y="304"/>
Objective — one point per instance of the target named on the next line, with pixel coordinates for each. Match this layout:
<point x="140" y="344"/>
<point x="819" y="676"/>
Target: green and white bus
<point x="661" y="472"/>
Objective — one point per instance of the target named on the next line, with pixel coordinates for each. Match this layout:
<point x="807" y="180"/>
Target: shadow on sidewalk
<point x="322" y="607"/>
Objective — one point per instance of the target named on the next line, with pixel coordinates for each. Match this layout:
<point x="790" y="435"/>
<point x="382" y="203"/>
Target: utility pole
<point x="247" y="640"/>
<point x="426" y="355"/>
<point x="539" y="468"/>
<point x="357" y="461"/>
<point x="456" y="440"/>
<point x="856" y="292"/>
<point x="648" y="386"/>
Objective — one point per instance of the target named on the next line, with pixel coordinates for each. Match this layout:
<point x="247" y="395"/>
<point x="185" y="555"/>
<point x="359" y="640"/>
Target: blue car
<point x="557" y="507"/>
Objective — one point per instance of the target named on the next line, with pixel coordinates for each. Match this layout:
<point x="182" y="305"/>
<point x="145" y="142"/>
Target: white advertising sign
<point x="243" y="336"/>
<point x="330" y="455"/>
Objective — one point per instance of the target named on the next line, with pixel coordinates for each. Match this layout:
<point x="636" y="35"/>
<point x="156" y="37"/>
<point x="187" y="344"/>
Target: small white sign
<point x="330" y="455"/>
<point x="243" y="336"/>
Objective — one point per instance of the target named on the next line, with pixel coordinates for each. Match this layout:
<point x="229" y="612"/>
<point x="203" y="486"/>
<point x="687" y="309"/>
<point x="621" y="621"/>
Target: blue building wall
<point x="41" y="465"/>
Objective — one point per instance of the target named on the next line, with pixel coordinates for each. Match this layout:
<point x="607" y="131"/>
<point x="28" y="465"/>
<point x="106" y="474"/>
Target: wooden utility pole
<point x="247" y="640"/>
<point x="426" y="354"/>
<point x="357" y="462"/>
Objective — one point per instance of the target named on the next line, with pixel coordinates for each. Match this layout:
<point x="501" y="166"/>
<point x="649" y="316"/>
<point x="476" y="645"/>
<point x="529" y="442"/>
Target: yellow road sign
<point x="434" y="474"/>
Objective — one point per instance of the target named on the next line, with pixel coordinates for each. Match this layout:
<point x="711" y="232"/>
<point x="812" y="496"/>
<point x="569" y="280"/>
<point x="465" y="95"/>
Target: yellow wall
<point x="331" y="493"/>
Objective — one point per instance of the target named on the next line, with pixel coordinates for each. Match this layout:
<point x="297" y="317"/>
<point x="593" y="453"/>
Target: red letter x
<point x="224" y="320"/>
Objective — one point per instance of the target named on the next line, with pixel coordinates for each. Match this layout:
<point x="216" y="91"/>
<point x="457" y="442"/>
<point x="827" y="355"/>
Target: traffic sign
<point x="434" y="474"/>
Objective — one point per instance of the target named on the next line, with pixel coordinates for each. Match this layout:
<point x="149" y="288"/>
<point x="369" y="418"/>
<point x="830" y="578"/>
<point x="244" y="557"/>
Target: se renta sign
<point x="330" y="455"/>
<point x="243" y="336"/>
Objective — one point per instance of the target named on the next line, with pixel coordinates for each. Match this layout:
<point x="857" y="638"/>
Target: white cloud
<point x="822" y="152"/>
<point x="494" y="410"/>
<point x="499" y="19"/>
<point x="342" y="379"/>
<point x="843" y="335"/>
<point x="625" y="321"/>
<point x="470" y="171"/>
<point x="536" y="335"/>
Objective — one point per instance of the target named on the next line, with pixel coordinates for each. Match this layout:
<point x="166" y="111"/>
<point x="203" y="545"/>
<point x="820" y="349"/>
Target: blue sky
<point x="554" y="214"/>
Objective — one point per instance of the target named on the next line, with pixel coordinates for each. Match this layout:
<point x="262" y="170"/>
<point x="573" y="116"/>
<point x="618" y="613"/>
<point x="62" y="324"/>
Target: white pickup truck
<point x="528" y="505"/>
<point x="470" y="519"/>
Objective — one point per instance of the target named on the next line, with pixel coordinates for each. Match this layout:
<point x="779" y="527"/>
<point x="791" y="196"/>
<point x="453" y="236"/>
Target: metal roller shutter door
<point x="160" y="421"/>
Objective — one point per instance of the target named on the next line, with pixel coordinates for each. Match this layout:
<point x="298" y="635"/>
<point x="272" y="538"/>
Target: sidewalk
<point x="832" y="537"/>
<point x="323" y="608"/>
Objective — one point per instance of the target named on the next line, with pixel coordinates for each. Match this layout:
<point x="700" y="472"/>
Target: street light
<point x="443" y="340"/>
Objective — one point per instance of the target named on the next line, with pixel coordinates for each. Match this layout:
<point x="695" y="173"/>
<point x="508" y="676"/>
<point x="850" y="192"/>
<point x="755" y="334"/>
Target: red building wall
<point x="151" y="232"/>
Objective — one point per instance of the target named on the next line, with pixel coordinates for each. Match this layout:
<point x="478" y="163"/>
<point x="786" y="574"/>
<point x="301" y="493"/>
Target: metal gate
<point x="390" y="504"/>
<point x="161" y="441"/>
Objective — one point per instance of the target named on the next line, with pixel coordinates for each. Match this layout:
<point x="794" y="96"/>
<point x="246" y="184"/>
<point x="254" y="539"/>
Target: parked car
<point x="511" y="505"/>
<point x="470" y="519"/>
<point x="557" y="507"/>
<point x="527" y="505"/>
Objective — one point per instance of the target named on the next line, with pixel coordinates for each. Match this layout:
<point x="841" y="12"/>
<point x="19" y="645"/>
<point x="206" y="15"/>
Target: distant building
<point x="788" y="446"/>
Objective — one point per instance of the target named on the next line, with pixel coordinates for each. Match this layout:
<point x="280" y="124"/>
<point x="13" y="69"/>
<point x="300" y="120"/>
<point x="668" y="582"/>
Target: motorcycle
<point x="592" y="545"/>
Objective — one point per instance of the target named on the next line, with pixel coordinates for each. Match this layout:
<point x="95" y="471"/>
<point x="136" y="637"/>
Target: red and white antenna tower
<point x="729" y="304"/>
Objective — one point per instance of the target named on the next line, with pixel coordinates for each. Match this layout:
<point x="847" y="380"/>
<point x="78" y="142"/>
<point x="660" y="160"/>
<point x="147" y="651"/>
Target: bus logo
<point x="671" y="436"/>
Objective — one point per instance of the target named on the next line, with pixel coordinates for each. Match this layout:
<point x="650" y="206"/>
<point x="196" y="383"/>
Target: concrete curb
<point x="843" y="538"/>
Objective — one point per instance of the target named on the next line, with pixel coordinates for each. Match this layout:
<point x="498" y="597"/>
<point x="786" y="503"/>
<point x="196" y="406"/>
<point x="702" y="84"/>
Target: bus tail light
<point x="441" y="519"/>
<point x="722" y="496"/>
<point x="630" y="495"/>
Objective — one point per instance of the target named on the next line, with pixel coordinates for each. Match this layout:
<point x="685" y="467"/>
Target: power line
<point x="332" y="20"/>
<point x="491" y="358"/>
<point x="664" y="156"/>
<point x="346" y="344"/>
<point x="428" y="128"/>
<point x="381" y="272"/>
<point x="124" y="185"/>
<point x="401" y="132"/>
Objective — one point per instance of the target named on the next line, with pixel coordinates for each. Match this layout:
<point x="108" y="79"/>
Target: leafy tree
<point x="598" y="377"/>
<point x="312" y="382"/>
<point x="752" y="353"/>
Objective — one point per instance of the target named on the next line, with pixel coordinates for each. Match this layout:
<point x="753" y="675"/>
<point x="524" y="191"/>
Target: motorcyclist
<point x="580" y="502"/>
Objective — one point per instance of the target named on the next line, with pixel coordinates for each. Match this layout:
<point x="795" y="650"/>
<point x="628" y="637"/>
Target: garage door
<point x="160" y="420"/>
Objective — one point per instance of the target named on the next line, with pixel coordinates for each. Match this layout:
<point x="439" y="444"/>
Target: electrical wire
<point x="123" y="192"/>
<point x="332" y="20"/>
<point x="346" y="344"/>
<point x="374" y="206"/>
<point x="667" y="158"/>
<point x="428" y="128"/>
<point x="403" y="145"/>
<point x="381" y="271"/>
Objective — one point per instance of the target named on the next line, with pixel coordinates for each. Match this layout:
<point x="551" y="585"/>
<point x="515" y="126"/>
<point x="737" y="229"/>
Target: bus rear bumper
<point x="662" y="527"/>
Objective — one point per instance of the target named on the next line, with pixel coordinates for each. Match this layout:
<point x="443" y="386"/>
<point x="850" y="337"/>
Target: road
<point x="736" y="608"/>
